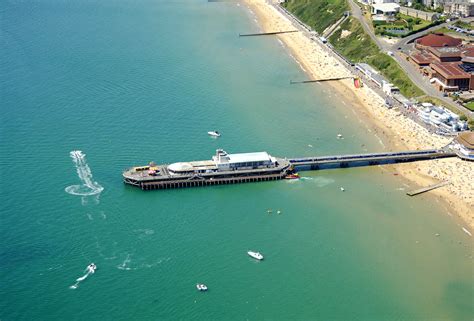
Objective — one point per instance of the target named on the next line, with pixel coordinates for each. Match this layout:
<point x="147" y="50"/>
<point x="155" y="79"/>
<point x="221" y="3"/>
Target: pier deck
<point x="312" y="163"/>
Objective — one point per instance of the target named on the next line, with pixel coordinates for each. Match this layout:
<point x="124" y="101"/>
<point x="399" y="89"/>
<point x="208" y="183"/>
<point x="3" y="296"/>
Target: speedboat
<point x="255" y="255"/>
<point x="342" y="189"/>
<point x="91" y="268"/>
<point x="292" y="176"/>
<point x="201" y="287"/>
<point x="214" y="133"/>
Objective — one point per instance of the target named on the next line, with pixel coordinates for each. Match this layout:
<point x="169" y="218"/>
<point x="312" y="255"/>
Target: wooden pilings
<point x="319" y="80"/>
<point x="266" y="33"/>
<point x="208" y="182"/>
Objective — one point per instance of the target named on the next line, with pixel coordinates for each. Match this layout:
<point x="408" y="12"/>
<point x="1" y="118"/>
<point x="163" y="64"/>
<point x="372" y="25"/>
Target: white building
<point x="445" y="120"/>
<point x="465" y="144"/>
<point x="462" y="8"/>
<point x="385" y="11"/>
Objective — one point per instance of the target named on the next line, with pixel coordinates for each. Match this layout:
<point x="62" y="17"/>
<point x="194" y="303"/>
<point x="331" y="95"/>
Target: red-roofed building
<point x="449" y="76"/>
<point x="437" y="40"/>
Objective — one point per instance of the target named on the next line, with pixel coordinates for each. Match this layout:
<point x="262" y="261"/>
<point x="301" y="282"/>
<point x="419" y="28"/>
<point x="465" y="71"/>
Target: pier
<point x="355" y="160"/>
<point x="266" y="33"/>
<point x="252" y="167"/>
<point x="427" y="189"/>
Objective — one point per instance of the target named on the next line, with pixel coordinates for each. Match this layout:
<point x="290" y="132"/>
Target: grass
<point x="464" y="25"/>
<point x="359" y="47"/>
<point x="403" y="23"/>
<point x="470" y="105"/>
<point x="318" y="14"/>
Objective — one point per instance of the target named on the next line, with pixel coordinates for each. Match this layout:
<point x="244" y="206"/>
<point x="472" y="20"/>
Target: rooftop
<point x="446" y="51"/>
<point x="386" y="7"/>
<point x="438" y="40"/>
<point x="450" y="70"/>
<point x="422" y="57"/>
<point x="249" y="157"/>
<point x="466" y="139"/>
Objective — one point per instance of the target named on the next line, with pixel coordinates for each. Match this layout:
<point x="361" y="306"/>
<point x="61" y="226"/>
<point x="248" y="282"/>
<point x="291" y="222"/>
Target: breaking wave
<point x="88" y="186"/>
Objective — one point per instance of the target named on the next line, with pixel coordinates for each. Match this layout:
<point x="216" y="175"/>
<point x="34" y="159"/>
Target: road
<point x="400" y="57"/>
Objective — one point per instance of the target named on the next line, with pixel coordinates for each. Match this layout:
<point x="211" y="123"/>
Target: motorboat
<point x="201" y="287"/>
<point x="214" y="133"/>
<point x="342" y="189"/>
<point x="91" y="268"/>
<point x="292" y="176"/>
<point x="255" y="255"/>
<point x="339" y="136"/>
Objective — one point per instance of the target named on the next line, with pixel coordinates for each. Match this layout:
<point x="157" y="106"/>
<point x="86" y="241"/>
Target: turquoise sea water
<point x="127" y="82"/>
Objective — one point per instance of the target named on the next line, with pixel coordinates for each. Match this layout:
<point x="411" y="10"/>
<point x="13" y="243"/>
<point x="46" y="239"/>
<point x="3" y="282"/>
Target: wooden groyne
<point x="428" y="188"/>
<point x="266" y="33"/>
<point x="320" y="80"/>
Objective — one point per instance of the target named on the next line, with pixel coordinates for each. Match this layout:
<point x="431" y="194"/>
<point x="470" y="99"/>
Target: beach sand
<point x="396" y="131"/>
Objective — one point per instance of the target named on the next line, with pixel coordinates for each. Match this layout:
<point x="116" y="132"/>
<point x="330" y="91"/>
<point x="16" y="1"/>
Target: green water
<point x="127" y="82"/>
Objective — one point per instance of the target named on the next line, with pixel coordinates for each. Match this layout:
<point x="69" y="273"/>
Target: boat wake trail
<point x="88" y="186"/>
<point x="82" y="278"/>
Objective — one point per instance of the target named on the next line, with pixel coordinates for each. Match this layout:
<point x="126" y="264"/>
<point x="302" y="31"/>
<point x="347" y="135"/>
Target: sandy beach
<point x="395" y="130"/>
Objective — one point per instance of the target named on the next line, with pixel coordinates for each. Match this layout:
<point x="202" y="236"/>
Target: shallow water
<point x="127" y="82"/>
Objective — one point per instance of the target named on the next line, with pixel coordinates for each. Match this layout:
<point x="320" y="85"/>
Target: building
<point x="429" y="16"/>
<point x="371" y="73"/>
<point x="450" y="77"/>
<point x="462" y="8"/>
<point x="437" y="40"/>
<point x="449" y="68"/>
<point x="465" y="144"/>
<point x="385" y="11"/>
<point x="443" y="119"/>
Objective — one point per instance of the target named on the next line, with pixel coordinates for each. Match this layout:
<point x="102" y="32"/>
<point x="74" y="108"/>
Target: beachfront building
<point x="444" y="120"/>
<point x="462" y="8"/>
<point x="464" y="143"/>
<point x="385" y="11"/>
<point x="371" y="73"/>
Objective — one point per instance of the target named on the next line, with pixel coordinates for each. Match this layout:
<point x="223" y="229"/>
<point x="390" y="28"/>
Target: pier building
<point x="465" y="145"/>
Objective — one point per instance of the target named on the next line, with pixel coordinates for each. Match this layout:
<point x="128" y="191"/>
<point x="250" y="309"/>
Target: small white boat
<point x="342" y="189"/>
<point x="91" y="268"/>
<point x="339" y="136"/>
<point x="214" y="133"/>
<point x="255" y="255"/>
<point x="201" y="287"/>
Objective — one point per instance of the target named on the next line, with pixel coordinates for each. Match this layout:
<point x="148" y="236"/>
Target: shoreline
<point x="395" y="131"/>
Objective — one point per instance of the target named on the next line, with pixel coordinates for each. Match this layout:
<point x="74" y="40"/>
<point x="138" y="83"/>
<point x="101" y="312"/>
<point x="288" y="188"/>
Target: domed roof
<point x="180" y="167"/>
<point x="438" y="40"/>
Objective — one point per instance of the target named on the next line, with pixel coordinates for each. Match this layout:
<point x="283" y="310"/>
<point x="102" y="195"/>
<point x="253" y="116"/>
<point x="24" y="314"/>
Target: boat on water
<point x="255" y="255"/>
<point x="222" y="169"/>
<point x="214" y="133"/>
<point x="201" y="287"/>
<point x="292" y="176"/>
<point x="91" y="268"/>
